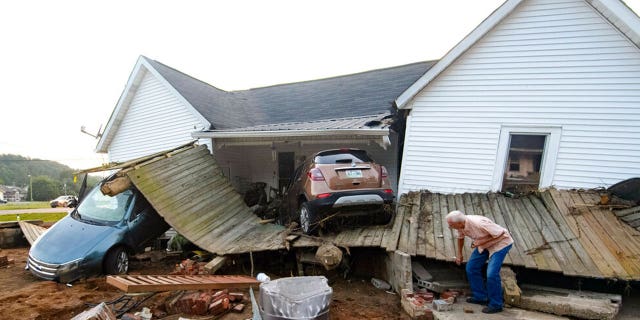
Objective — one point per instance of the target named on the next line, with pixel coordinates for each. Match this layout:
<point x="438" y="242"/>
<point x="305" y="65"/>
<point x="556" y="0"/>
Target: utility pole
<point x="30" y="189"/>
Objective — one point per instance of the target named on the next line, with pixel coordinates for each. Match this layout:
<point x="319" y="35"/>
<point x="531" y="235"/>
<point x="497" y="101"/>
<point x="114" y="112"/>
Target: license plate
<point x="354" y="173"/>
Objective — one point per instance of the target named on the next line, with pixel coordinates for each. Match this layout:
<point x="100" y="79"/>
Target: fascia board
<point x="620" y="16"/>
<point x="489" y="23"/>
<point x="287" y="133"/>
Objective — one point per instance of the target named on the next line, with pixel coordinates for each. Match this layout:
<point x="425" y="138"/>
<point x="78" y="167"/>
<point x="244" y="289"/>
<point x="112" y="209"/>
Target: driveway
<point x="43" y="210"/>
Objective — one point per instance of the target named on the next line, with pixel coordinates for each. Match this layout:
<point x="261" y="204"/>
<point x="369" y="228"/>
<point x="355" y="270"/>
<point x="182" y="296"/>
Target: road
<point x="43" y="210"/>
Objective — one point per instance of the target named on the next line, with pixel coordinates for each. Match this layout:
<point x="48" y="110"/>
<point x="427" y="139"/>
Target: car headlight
<point x="70" y="265"/>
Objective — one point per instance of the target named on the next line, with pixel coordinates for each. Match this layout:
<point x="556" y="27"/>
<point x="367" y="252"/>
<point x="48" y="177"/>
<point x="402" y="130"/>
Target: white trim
<point x="456" y="52"/>
<point x="288" y="133"/>
<point x="618" y="14"/>
<point x="549" y="155"/>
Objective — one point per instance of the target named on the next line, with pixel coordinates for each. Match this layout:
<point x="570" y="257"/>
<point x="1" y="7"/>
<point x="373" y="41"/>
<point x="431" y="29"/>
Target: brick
<point x="238" y="308"/>
<point x="236" y="296"/>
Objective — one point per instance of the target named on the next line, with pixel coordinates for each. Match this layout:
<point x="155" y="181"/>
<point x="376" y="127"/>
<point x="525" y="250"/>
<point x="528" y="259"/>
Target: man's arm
<point x="459" y="256"/>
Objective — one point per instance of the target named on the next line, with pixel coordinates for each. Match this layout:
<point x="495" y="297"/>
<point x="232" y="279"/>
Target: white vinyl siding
<point x="551" y="63"/>
<point x="155" y="121"/>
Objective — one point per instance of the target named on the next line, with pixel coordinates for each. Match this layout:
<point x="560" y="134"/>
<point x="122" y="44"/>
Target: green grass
<point x="46" y="217"/>
<point x="25" y="205"/>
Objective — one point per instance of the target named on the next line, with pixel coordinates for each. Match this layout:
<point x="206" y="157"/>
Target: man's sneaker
<point x="491" y="310"/>
<point x="480" y="302"/>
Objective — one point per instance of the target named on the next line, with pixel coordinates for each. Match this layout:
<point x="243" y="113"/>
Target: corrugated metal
<point x="189" y="190"/>
<point x="155" y="121"/>
<point x="555" y="230"/>
<point x="550" y="63"/>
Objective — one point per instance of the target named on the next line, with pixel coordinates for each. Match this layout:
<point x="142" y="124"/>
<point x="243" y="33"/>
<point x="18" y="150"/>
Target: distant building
<point x="12" y="194"/>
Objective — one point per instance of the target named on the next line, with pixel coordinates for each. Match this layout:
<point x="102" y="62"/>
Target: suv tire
<point x="116" y="261"/>
<point x="307" y="218"/>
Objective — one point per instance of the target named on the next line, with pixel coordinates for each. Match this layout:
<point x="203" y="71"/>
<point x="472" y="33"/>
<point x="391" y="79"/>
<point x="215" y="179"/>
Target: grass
<point x="25" y="205"/>
<point x="46" y="217"/>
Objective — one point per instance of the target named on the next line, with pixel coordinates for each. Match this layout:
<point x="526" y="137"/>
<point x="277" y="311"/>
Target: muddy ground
<point x="23" y="296"/>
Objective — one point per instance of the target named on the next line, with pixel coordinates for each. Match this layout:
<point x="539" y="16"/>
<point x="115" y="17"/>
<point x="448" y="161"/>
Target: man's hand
<point x="458" y="260"/>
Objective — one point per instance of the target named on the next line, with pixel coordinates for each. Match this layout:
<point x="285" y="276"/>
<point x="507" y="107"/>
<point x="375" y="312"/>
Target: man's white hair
<point x="456" y="216"/>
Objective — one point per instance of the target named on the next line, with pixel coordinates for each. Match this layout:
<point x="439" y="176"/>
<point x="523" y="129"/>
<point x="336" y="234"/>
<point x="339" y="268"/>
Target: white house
<point x="258" y="135"/>
<point x="542" y="93"/>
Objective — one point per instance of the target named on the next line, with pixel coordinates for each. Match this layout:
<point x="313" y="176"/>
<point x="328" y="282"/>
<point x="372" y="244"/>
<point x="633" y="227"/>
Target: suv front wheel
<point x="307" y="218"/>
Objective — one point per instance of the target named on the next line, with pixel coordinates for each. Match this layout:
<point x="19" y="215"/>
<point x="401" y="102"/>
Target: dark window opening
<point x="522" y="173"/>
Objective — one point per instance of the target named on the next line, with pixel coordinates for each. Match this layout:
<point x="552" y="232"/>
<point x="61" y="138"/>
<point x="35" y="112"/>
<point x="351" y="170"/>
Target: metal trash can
<point x="300" y="298"/>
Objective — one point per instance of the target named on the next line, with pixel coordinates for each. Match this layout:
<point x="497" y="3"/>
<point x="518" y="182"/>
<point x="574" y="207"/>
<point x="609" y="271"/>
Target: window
<point x="526" y="158"/>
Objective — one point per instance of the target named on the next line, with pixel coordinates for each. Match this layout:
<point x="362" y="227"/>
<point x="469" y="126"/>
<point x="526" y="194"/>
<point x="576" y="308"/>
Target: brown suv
<point x="336" y="184"/>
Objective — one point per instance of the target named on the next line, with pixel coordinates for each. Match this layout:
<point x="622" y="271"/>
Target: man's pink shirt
<point x="485" y="234"/>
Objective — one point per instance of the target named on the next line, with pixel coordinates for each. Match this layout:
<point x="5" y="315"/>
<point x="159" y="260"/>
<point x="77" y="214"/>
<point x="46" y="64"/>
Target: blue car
<point x="97" y="237"/>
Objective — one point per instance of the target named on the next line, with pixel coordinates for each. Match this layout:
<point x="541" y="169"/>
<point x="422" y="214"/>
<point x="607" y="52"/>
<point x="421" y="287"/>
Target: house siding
<point x="548" y="64"/>
<point x="155" y="121"/>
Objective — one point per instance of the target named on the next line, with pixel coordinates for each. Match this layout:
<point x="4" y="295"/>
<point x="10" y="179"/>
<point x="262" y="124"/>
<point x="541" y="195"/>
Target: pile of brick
<point x="200" y="303"/>
<point x="189" y="267"/>
<point x="421" y="303"/>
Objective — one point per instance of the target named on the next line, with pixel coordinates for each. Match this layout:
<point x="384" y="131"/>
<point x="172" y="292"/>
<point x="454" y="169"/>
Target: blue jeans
<point x="492" y="292"/>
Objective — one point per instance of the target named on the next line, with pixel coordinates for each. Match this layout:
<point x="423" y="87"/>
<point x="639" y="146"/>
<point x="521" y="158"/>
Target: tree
<point x="45" y="188"/>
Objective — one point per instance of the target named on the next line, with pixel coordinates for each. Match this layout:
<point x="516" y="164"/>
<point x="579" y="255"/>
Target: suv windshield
<point x="99" y="208"/>
<point x="342" y="156"/>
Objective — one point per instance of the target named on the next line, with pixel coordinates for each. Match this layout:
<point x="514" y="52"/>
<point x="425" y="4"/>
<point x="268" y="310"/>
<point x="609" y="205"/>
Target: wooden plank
<point x="414" y="221"/>
<point x="208" y="282"/>
<point x="534" y="221"/>
<point x="569" y="230"/>
<point x="625" y="212"/>
<point x="437" y="227"/>
<point x="623" y="248"/>
<point x="447" y="202"/>
<point x="588" y="240"/>
<point x="430" y="245"/>
<point x="562" y="250"/>
<point x="499" y="205"/>
<point x="463" y="202"/>
<point x="535" y="245"/>
<point x="421" y="242"/>
<point x="390" y="239"/>
<point x="31" y="231"/>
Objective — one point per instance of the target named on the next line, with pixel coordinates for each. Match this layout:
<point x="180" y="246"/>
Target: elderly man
<point x="491" y="242"/>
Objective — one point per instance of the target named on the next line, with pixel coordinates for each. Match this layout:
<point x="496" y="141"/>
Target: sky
<point x="64" y="64"/>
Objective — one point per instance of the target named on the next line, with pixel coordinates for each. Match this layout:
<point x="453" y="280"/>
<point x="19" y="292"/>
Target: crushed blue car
<point x="97" y="237"/>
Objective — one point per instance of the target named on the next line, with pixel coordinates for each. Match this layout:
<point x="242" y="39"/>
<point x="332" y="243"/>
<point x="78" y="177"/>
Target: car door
<point x="144" y="223"/>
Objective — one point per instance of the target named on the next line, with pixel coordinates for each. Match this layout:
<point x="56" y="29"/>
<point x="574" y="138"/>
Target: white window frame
<point x="549" y="154"/>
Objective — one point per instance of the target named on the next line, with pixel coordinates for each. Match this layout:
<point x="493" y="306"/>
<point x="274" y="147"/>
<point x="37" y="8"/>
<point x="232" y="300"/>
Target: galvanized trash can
<point x="300" y="298"/>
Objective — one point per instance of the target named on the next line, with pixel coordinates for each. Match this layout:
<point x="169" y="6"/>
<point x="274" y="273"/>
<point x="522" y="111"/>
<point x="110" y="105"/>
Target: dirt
<point x="22" y="296"/>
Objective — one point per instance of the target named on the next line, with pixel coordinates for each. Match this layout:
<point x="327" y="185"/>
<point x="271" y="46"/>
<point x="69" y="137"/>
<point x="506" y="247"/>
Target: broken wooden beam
<point x="155" y="283"/>
<point x="215" y="264"/>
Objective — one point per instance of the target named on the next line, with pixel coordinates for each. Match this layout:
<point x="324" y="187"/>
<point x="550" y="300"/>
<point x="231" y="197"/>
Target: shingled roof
<point x="356" y="95"/>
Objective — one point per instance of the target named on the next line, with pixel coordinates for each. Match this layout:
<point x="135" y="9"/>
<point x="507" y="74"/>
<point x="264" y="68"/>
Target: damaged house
<point x="541" y="99"/>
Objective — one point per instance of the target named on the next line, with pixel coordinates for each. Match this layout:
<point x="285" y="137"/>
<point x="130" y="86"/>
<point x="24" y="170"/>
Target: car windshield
<point x="342" y="156"/>
<point x="99" y="208"/>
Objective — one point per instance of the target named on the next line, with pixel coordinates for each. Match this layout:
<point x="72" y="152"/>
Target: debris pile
<point x="215" y="302"/>
<point x="190" y="267"/>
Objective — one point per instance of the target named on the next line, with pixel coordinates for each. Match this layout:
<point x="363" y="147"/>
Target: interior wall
<point x="246" y="164"/>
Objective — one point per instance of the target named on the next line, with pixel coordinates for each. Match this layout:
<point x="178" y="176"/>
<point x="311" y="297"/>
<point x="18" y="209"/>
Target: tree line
<point x="48" y="179"/>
